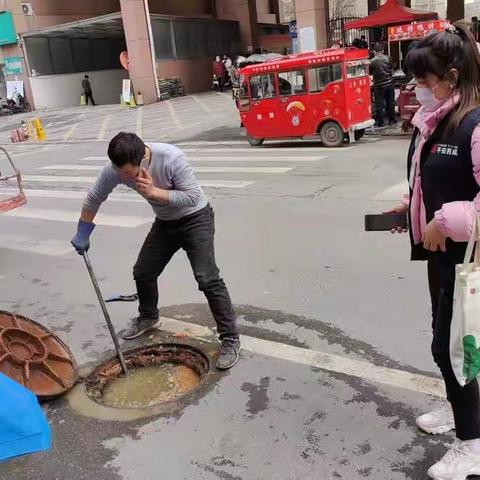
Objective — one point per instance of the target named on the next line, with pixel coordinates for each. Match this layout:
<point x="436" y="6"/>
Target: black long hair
<point x="439" y="53"/>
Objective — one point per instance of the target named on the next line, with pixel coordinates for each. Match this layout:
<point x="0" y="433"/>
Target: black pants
<point x="194" y="234"/>
<point x="89" y="96"/>
<point x="384" y="104"/>
<point x="465" y="401"/>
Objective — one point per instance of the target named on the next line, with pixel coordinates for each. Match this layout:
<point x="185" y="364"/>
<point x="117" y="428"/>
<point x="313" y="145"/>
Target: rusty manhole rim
<point x="154" y="354"/>
<point x="29" y="354"/>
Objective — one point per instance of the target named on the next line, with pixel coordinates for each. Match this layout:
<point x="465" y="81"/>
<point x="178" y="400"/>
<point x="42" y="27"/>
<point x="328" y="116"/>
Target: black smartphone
<point x="385" y="222"/>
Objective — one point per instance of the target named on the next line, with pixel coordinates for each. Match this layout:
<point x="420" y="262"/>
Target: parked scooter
<point x="12" y="106"/>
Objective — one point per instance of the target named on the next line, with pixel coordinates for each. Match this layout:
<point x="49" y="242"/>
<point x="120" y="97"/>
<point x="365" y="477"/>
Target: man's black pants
<point x="465" y="400"/>
<point x="89" y="96"/>
<point x="194" y="234"/>
<point x="384" y="104"/>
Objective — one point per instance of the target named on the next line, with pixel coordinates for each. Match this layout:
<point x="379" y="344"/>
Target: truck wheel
<point x="359" y="134"/>
<point x="255" y="142"/>
<point x="332" y="135"/>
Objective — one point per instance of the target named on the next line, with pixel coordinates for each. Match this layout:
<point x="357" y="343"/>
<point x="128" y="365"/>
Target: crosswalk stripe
<point x="68" y="179"/>
<point x="103" y="127"/>
<point x="278" y="159"/>
<point x="73" y="167"/>
<point x="27" y="244"/>
<point x="194" y="157"/>
<point x="71" y="195"/>
<point x="225" y="183"/>
<point x="72" y="216"/>
<point x="57" y="179"/>
<point x="270" y="170"/>
<point x="263" y="150"/>
<point x="258" y="159"/>
<point x="103" y="157"/>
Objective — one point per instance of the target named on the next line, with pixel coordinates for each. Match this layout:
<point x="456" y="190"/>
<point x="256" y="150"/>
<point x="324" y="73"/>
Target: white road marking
<point x="325" y="361"/>
<point x="74" y="167"/>
<point x="394" y="193"/>
<point x="57" y="179"/>
<point x="255" y="170"/>
<point x="139" y="128"/>
<point x="270" y="147"/>
<point x="260" y="151"/>
<point x="203" y="105"/>
<point x="70" y="132"/>
<point x="68" y="179"/>
<point x="53" y="248"/>
<point x="268" y="170"/>
<point x="71" y="195"/>
<point x="225" y="183"/>
<point x="259" y="159"/>
<point x="66" y="216"/>
<point x="103" y="128"/>
<point x="175" y="118"/>
<point x="33" y="151"/>
<point x="195" y="155"/>
<point x="210" y="142"/>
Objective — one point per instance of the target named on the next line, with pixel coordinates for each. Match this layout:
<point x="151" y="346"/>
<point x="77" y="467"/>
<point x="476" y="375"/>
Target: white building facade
<point x="472" y="7"/>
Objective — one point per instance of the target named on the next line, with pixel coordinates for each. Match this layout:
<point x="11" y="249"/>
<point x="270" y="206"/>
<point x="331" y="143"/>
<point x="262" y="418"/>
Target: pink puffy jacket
<point x="454" y="219"/>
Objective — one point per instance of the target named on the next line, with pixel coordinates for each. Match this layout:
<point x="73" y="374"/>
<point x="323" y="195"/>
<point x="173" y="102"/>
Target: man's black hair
<point x="86" y="76"/>
<point x="126" y="148"/>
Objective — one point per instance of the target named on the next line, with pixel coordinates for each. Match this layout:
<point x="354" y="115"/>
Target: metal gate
<point x="337" y="35"/>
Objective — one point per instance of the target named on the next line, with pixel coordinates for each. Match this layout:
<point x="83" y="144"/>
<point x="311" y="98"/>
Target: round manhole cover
<point x="34" y="357"/>
<point x="156" y="374"/>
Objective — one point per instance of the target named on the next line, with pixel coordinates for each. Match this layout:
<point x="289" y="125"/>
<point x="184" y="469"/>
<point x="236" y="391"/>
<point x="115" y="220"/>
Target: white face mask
<point x="427" y="98"/>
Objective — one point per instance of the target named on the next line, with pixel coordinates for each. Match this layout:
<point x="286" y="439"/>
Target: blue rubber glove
<point x="81" y="241"/>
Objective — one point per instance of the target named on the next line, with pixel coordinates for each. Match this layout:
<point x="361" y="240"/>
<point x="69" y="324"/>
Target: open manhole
<point x="156" y="374"/>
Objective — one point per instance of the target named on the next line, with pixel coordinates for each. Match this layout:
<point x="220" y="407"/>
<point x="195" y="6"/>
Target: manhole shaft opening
<point x="157" y="374"/>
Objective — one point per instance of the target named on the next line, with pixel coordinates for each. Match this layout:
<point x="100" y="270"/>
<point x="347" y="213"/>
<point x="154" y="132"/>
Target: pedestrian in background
<point x="220" y="71"/>
<point x="381" y="67"/>
<point x="444" y="177"/>
<point x="87" y="90"/>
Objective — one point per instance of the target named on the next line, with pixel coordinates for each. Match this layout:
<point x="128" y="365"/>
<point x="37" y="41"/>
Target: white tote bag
<point x="465" y="327"/>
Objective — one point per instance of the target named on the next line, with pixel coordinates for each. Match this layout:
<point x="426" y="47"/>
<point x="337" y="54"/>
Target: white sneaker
<point x="438" y="421"/>
<point x="457" y="464"/>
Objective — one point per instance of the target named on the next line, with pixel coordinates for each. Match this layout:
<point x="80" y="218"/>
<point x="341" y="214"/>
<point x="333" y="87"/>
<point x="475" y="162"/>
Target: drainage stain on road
<point x="257" y="396"/>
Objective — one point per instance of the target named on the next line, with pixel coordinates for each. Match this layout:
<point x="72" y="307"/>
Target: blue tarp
<point x="23" y="426"/>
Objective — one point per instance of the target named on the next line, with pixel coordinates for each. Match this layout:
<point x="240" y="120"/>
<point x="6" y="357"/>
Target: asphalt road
<point x="306" y="279"/>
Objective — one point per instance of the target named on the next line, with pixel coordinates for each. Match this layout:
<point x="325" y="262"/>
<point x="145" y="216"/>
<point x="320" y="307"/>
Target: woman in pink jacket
<point x="444" y="178"/>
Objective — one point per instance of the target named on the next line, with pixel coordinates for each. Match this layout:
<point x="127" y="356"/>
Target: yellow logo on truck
<point x="298" y="105"/>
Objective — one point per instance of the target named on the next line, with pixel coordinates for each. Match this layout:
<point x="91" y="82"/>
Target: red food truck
<point x="324" y="93"/>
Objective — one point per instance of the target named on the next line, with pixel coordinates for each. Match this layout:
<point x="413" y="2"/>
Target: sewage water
<point x="147" y="386"/>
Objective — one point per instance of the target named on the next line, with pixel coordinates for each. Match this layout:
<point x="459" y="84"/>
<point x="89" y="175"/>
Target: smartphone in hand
<point x="386" y="222"/>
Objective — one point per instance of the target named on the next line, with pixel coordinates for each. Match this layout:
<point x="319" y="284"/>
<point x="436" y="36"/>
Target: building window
<point x="262" y="86"/>
<point x="162" y="39"/>
<point x="292" y="83"/>
<point x="320" y="77"/>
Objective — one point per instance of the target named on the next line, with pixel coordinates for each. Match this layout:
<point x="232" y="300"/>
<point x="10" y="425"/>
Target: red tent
<point x="391" y="13"/>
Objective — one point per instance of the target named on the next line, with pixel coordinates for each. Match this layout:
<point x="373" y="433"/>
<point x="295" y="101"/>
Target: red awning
<point x="391" y="13"/>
